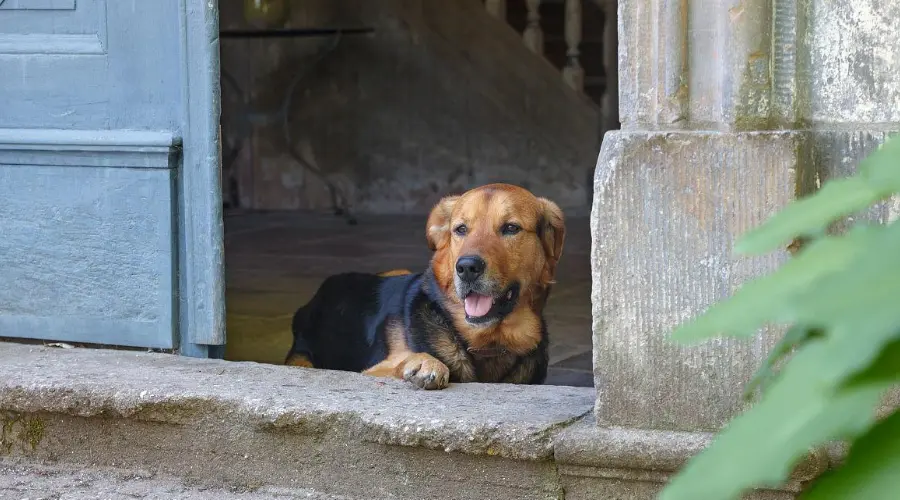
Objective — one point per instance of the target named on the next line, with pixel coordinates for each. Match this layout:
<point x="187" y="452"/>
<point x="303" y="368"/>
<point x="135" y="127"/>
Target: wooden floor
<point x="275" y="262"/>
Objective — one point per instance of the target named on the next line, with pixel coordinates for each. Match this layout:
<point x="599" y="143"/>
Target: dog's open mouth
<point x="481" y="308"/>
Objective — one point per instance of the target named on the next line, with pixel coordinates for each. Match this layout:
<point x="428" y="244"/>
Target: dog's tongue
<point x="477" y="305"/>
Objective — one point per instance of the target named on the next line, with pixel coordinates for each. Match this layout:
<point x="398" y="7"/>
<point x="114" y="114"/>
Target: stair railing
<point x="533" y="36"/>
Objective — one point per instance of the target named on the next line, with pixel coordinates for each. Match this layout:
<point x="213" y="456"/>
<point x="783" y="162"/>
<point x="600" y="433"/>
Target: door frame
<point x="200" y="298"/>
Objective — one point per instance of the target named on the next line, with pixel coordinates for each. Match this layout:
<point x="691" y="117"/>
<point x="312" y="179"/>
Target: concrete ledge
<point x="163" y="388"/>
<point x="252" y="426"/>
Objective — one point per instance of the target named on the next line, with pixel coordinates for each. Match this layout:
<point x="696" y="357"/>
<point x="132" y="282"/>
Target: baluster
<point x="496" y="8"/>
<point x="609" y="102"/>
<point x="533" y="35"/>
<point x="573" y="73"/>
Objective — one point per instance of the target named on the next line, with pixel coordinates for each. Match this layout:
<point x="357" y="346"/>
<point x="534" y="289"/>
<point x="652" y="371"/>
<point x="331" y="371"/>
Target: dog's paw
<point x="426" y="372"/>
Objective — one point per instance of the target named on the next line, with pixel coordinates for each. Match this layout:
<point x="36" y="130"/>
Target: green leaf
<point x="841" y="295"/>
<point x="805" y="406"/>
<point x="767" y="299"/>
<point x="882" y="167"/>
<point x="808" y="404"/>
<point x="872" y="469"/>
<point x="885" y="369"/>
<point x="879" y="177"/>
<point x="796" y="336"/>
<point x="863" y="296"/>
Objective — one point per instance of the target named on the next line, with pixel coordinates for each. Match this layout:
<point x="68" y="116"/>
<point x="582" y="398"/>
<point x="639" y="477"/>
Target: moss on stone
<point x="25" y="430"/>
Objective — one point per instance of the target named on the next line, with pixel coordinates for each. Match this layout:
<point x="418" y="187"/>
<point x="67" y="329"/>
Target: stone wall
<point x="441" y="98"/>
<point x="729" y="111"/>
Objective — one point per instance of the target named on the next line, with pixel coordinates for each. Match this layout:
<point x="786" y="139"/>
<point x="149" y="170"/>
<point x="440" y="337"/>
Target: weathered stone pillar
<point x="729" y="110"/>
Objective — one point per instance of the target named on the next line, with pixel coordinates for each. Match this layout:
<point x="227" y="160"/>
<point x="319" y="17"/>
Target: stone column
<point x="729" y="110"/>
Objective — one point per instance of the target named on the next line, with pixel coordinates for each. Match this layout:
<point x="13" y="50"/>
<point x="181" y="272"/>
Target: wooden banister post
<point x="573" y="73"/>
<point x="534" y="35"/>
<point x="496" y="8"/>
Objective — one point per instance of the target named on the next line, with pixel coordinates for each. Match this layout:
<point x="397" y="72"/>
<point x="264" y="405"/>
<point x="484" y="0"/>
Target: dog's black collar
<point x="487" y="352"/>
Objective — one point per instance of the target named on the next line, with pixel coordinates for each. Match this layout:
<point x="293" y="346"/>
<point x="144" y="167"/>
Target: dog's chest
<point x="484" y="365"/>
<point x="489" y="364"/>
<point x="494" y="368"/>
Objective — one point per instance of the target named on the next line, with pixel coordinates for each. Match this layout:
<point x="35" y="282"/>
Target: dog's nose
<point x="470" y="267"/>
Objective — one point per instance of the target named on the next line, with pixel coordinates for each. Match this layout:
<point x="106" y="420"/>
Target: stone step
<point x="248" y="428"/>
<point x="20" y="479"/>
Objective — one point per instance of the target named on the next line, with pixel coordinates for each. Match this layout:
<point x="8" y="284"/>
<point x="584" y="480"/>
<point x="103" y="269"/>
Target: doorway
<point x="345" y="122"/>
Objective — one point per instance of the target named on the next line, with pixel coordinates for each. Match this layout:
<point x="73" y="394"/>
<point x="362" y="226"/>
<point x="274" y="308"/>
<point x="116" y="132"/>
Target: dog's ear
<point x="552" y="232"/>
<point x="437" y="229"/>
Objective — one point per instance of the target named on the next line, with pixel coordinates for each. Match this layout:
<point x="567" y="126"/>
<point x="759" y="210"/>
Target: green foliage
<point x="839" y="295"/>
<point x="871" y="471"/>
<point x="794" y="337"/>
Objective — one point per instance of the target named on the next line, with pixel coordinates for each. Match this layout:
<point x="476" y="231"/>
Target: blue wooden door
<point x="110" y="209"/>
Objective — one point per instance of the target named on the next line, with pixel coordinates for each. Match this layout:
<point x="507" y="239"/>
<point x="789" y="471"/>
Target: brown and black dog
<point x="475" y="315"/>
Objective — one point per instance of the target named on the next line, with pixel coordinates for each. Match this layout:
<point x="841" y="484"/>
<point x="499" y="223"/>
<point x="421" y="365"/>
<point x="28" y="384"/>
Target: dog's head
<point x="495" y="251"/>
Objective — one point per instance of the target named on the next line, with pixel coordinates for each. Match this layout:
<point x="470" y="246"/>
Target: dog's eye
<point x="510" y="229"/>
<point x="461" y="230"/>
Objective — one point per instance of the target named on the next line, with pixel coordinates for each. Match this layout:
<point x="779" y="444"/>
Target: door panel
<point x="87" y="246"/>
<point x="52" y="27"/>
<point x="105" y="204"/>
<point x="37" y="4"/>
<point x="106" y="64"/>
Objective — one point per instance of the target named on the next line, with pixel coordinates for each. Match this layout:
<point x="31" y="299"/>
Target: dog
<point x="474" y="315"/>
